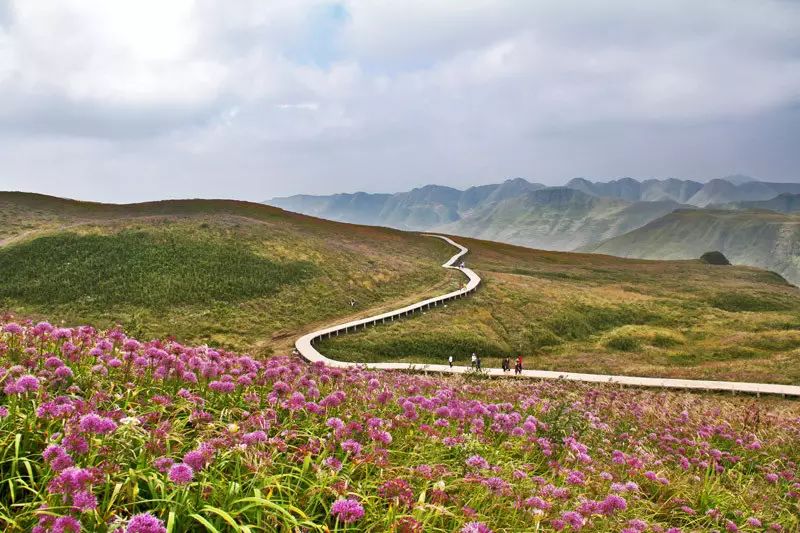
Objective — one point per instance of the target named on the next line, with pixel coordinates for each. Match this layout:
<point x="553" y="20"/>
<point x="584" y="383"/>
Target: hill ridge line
<point x="305" y="346"/>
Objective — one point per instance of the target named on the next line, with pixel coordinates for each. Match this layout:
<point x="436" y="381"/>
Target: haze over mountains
<point x="584" y="214"/>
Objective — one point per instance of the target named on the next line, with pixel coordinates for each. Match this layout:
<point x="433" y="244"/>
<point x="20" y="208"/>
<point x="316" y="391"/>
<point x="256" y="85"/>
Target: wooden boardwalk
<point x="305" y="345"/>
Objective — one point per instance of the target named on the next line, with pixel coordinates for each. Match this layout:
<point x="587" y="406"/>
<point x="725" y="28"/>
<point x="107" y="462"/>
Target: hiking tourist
<point x="478" y="363"/>
<point x="518" y="367"/>
<point x="474" y="359"/>
<point x="450" y="360"/>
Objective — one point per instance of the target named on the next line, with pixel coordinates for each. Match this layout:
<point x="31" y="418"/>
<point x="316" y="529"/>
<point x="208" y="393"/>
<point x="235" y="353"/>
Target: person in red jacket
<point x="518" y="368"/>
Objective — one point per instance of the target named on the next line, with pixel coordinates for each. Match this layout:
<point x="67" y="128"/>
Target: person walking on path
<point x="518" y="368"/>
<point x="450" y="360"/>
<point x="506" y="364"/>
<point x="474" y="359"/>
<point x="478" y="363"/>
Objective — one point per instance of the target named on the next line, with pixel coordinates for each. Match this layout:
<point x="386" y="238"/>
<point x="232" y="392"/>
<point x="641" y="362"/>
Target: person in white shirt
<point x="474" y="359"/>
<point x="450" y="360"/>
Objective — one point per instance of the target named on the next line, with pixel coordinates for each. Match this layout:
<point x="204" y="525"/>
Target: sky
<point x="127" y="101"/>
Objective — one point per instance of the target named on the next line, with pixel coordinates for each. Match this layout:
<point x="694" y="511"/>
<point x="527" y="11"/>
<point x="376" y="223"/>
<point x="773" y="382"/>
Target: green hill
<point x="596" y="313"/>
<point x="762" y="239"/>
<point x="234" y="274"/>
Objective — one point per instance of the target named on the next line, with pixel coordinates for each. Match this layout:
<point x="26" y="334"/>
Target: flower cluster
<point x="105" y="432"/>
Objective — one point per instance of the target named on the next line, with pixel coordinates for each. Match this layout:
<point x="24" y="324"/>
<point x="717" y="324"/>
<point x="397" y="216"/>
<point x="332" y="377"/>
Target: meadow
<point x="234" y="274"/>
<point x="103" y="432"/>
<point x="602" y="314"/>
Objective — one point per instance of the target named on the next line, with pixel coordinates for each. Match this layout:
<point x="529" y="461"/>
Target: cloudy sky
<point x="146" y="99"/>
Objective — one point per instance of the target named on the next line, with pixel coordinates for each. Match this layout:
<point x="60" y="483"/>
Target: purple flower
<point x="27" y="383"/>
<point x="84" y="501"/>
<point x="57" y="457"/>
<point x="66" y="524"/>
<point x="576" y="477"/>
<point x="333" y="463"/>
<point x="476" y="461"/>
<point x="14" y="329"/>
<point x="196" y="459"/>
<point x="574" y="519"/>
<point x="496" y="484"/>
<point x="3" y="411"/>
<point x="63" y="372"/>
<point x="335" y="424"/>
<point x="347" y="511"/>
<point x="222" y="386"/>
<point x="70" y="480"/>
<point x="254" y="437"/>
<point x="613" y="503"/>
<point x="352" y="447"/>
<point x="537" y="503"/>
<point x="145" y="523"/>
<point x="181" y="473"/>
<point x="637" y="524"/>
<point x="94" y="423"/>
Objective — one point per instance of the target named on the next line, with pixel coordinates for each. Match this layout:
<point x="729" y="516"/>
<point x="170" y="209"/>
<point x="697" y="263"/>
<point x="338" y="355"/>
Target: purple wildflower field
<point x="101" y="432"/>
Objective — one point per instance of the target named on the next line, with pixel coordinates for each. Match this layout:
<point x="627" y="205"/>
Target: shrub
<point x="623" y="343"/>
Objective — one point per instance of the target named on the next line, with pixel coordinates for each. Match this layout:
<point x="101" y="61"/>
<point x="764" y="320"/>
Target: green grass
<point x="743" y="301"/>
<point x="594" y="313"/>
<point x="237" y="275"/>
<point x="140" y="268"/>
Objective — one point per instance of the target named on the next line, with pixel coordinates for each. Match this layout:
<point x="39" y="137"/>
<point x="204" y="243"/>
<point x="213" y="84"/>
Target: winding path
<point x="305" y="345"/>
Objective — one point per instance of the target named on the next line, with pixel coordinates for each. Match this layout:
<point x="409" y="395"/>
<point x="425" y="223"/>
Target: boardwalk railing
<point x="305" y="345"/>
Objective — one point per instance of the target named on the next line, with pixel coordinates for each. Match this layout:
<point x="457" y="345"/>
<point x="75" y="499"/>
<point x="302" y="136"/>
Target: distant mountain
<point x="783" y="203"/>
<point x="557" y="218"/>
<point x="422" y="208"/>
<point x="736" y="188"/>
<point x="757" y="238"/>
<point x="722" y="191"/>
<point x="739" y="179"/>
<point x="357" y="208"/>
<point x="632" y="190"/>
<point x="580" y="214"/>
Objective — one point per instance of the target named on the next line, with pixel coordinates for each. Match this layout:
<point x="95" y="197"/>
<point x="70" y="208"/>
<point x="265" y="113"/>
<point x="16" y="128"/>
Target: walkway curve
<point x="305" y="345"/>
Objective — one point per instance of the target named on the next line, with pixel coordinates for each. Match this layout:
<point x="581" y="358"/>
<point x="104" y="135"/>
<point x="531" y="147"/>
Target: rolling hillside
<point x="557" y="218"/>
<point x="596" y="313"/>
<point x="762" y="239"/>
<point x="233" y="274"/>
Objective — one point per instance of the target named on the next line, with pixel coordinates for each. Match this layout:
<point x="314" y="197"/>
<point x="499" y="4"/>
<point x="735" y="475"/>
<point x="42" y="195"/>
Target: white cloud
<point x="390" y="95"/>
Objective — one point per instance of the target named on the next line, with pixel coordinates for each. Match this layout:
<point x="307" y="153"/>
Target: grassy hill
<point x="233" y="274"/>
<point x="763" y="239"/>
<point x="595" y="313"/>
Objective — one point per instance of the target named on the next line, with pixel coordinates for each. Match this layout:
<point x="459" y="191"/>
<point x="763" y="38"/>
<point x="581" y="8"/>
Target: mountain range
<point x="585" y="215"/>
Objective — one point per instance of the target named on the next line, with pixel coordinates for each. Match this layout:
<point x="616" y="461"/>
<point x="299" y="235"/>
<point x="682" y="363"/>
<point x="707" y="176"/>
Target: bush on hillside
<point x="714" y="258"/>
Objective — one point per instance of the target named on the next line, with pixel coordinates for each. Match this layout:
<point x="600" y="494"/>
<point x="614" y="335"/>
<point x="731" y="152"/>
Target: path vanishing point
<point x="305" y="345"/>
